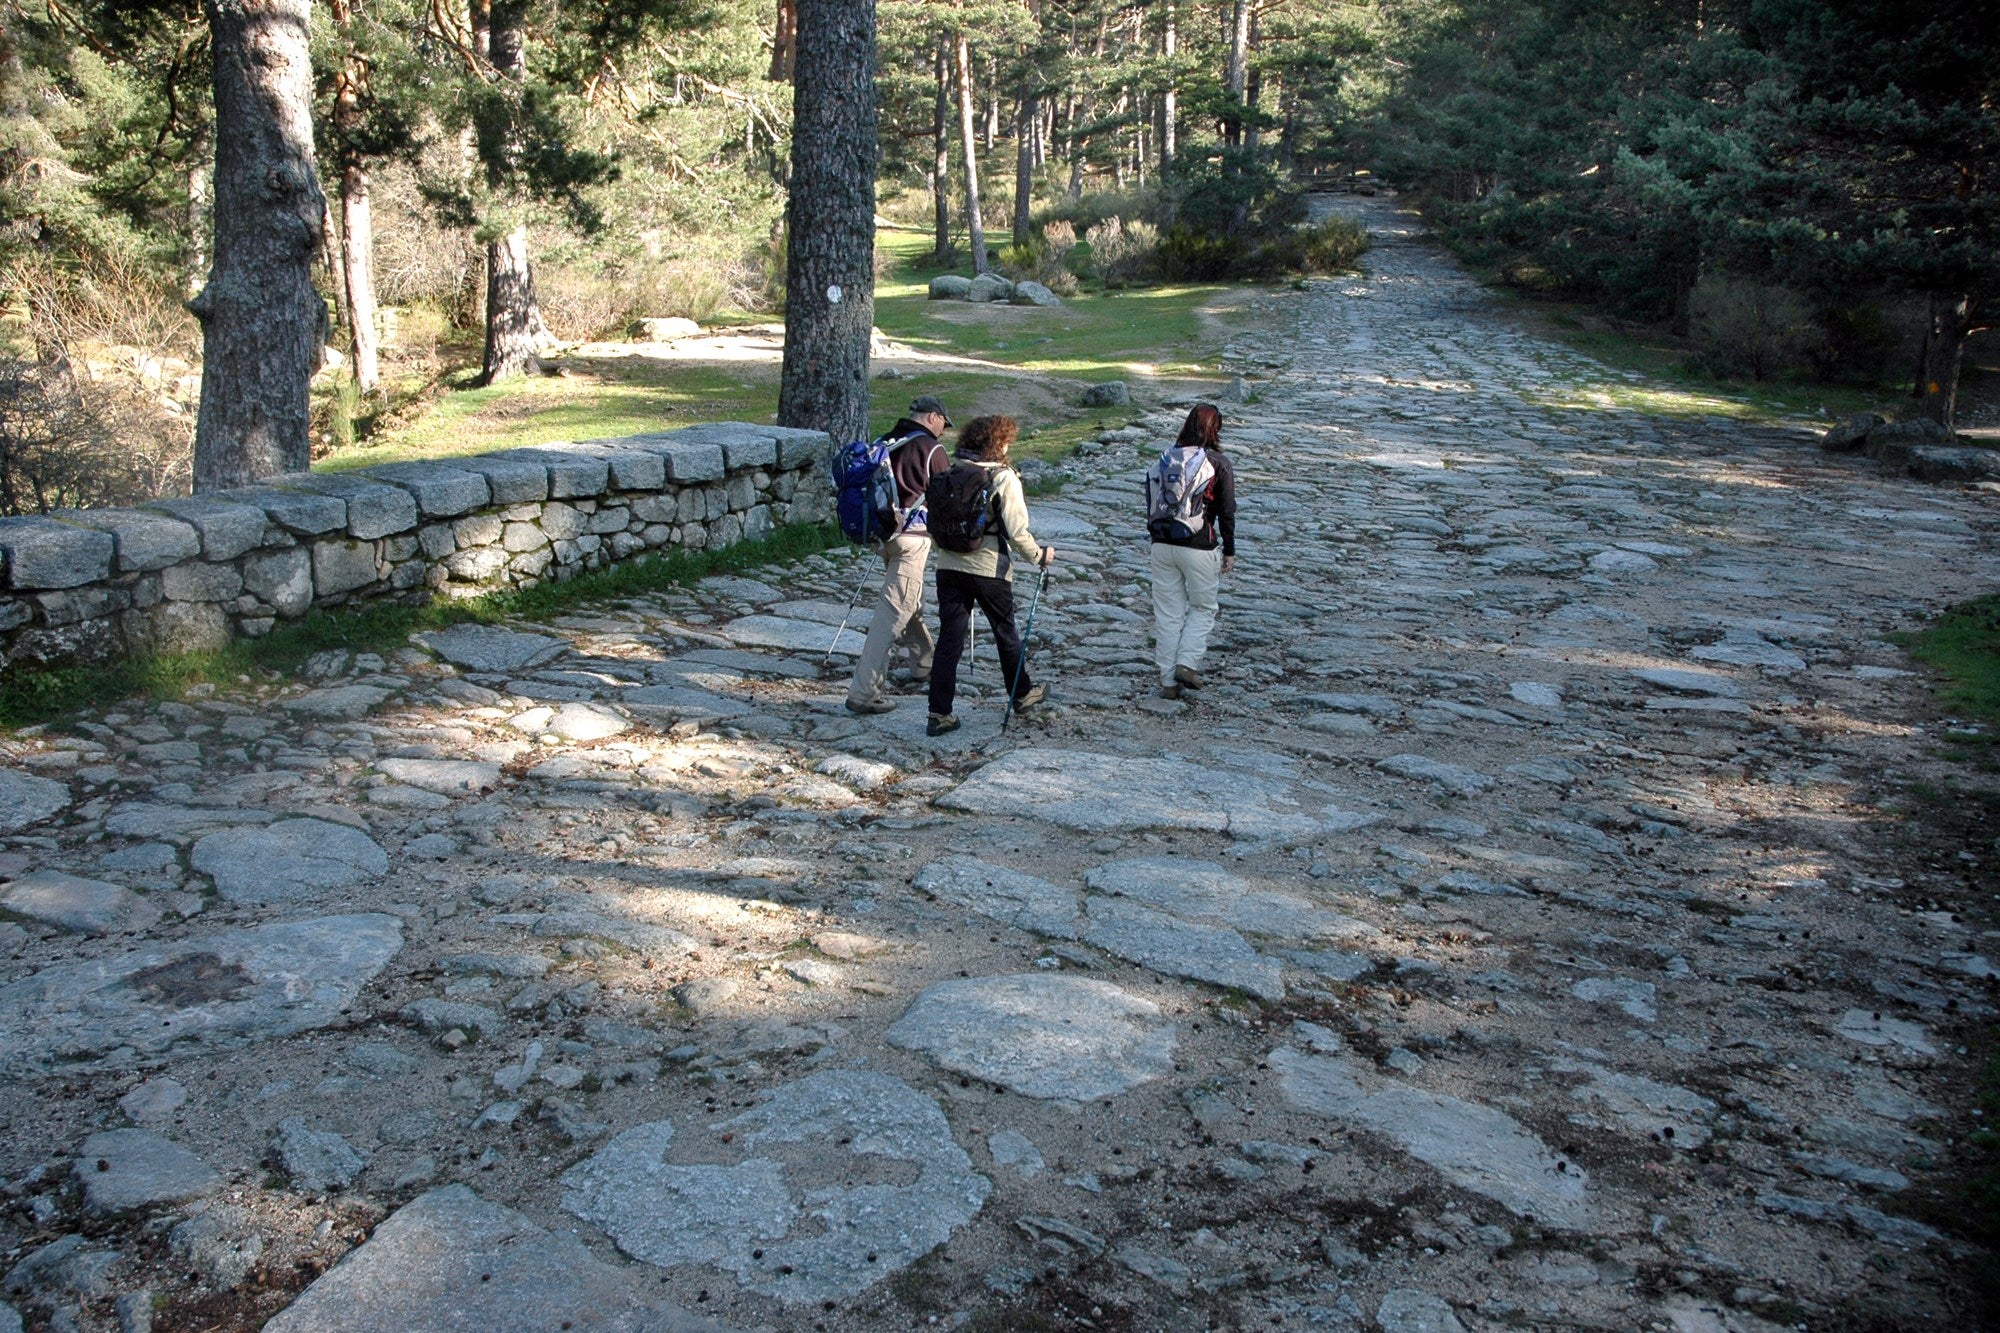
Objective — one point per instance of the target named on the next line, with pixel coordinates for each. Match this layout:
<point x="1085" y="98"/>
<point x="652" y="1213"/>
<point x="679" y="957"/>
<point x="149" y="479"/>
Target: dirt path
<point x="1509" y="935"/>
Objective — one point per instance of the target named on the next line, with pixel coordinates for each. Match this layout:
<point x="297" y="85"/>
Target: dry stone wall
<point x="186" y="574"/>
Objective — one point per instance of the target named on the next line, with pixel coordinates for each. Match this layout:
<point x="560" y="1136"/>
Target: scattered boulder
<point x="989" y="287"/>
<point x="659" y="330"/>
<point x="950" y="287"/>
<point x="1943" y="462"/>
<point x="1848" y="435"/>
<point x="1113" y="394"/>
<point x="1034" y="293"/>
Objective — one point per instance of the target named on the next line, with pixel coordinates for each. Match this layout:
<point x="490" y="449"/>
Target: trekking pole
<point x="1021" y="663"/>
<point x="844" y="616"/>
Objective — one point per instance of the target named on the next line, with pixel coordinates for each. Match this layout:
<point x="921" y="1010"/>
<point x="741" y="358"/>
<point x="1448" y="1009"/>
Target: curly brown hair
<point x="988" y="438"/>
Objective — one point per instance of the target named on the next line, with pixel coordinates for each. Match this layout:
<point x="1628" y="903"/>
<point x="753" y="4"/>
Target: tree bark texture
<point x="974" y="223"/>
<point x="516" y="335"/>
<point x="1024" y="167"/>
<point x="357" y="227"/>
<point x="1234" y="71"/>
<point x="357" y="258"/>
<point x="1944" y="356"/>
<point x="784" y="41"/>
<point x="263" y="326"/>
<point x="941" y="146"/>
<point x="1170" y="96"/>
<point x="198" y="184"/>
<point x="1253" y="88"/>
<point x="830" y="220"/>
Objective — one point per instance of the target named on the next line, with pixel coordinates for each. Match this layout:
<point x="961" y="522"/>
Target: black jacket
<point x="919" y="458"/>
<point x="1220" y="509"/>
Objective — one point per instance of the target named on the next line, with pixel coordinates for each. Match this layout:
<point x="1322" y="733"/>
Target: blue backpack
<point x="865" y="485"/>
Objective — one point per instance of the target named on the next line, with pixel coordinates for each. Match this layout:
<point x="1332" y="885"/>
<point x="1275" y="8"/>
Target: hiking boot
<point x="1188" y="676"/>
<point x="1029" y="697"/>
<point x="940" y="723"/>
<point x="1170" y="691"/>
<point x="870" y="709"/>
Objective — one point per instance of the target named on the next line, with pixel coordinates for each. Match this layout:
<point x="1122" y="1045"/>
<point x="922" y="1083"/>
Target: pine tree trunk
<point x="263" y="325"/>
<point x="1024" y="167"/>
<point x="941" y="150"/>
<point x="516" y="335"/>
<point x="973" y="221"/>
<point x="830" y="220"/>
<point x="1253" y="90"/>
<point x="1234" y="71"/>
<point x="1170" y="98"/>
<point x="784" y="42"/>
<point x="199" y="182"/>
<point x="1944" y="355"/>
<point x="357" y="256"/>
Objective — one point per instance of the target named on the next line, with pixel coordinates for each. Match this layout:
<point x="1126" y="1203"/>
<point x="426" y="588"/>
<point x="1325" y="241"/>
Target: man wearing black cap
<point x="899" y="610"/>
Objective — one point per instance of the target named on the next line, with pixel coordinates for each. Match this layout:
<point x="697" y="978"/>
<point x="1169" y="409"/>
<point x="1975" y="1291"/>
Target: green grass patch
<point x="1027" y="359"/>
<point x="1675" y="388"/>
<point x="31" y="697"/>
<point x="1963" y="647"/>
<point x="598" y="398"/>
<point x="1153" y="332"/>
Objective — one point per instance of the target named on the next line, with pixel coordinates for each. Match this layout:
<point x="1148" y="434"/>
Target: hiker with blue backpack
<point x="1191" y="518"/>
<point x="881" y="504"/>
<point x="979" y="520"/>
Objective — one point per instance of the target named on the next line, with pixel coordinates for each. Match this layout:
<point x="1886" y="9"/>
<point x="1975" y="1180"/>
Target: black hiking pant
<point x="957" y="593"/>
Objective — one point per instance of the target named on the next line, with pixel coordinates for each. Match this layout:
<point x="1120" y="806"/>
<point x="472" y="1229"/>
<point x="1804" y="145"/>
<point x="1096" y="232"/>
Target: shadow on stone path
<point x="1504" y="937"/>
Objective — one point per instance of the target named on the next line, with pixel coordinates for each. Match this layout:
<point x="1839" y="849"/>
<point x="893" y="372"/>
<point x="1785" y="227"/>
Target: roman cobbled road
<point x="1510" y="934"/>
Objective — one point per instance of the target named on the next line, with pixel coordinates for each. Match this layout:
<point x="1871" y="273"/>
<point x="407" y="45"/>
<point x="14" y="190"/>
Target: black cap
<point x="927" y="402"/>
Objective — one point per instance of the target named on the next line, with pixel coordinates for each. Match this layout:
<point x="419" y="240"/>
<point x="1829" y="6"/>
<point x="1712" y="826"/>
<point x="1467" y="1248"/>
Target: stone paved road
<point x="1508" y="937"/>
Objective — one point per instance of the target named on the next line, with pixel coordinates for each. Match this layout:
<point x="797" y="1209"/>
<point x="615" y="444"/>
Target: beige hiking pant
<point x="899" y="618"/>
<point x="1184" y="598"/>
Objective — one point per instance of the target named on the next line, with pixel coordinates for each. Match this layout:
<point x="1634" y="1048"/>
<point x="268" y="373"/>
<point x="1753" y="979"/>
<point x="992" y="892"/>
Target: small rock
<point x="1009" y="1147"/>
<point x="121" y="1169"/>
<point x="154" y="1100"/>
<point x="316" y="1160"/>
<point x="706" y="994"/>
<point x="1407" y="1310"/>
<point x="80" y="906"/>
<point x="66" y="1266"/>
<point x="221" y="1242"/>
<point x="1111" y="394"/>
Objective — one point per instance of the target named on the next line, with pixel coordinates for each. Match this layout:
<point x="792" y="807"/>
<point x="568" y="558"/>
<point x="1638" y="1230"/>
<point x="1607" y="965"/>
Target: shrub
<point x="1744" y="327"/>
<point x="1193" y="254"/>
<point x="1333" y="245"/>
<point x="1038" y="261"/>
<point x="1119" y="251"/>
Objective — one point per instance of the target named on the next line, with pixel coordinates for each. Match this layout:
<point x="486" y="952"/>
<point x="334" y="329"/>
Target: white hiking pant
<point x="1184" y="588"/>
<point x="898" y="619"/>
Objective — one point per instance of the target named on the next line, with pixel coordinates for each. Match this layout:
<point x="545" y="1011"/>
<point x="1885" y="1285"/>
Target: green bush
<point x="1192" y="254"/>
<point x="1333" y="245"/>
<point x="1040" y="261"/>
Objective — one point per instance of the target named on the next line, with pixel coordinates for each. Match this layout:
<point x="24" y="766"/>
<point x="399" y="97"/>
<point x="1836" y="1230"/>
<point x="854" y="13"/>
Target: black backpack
<point x="961" y="507"/>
